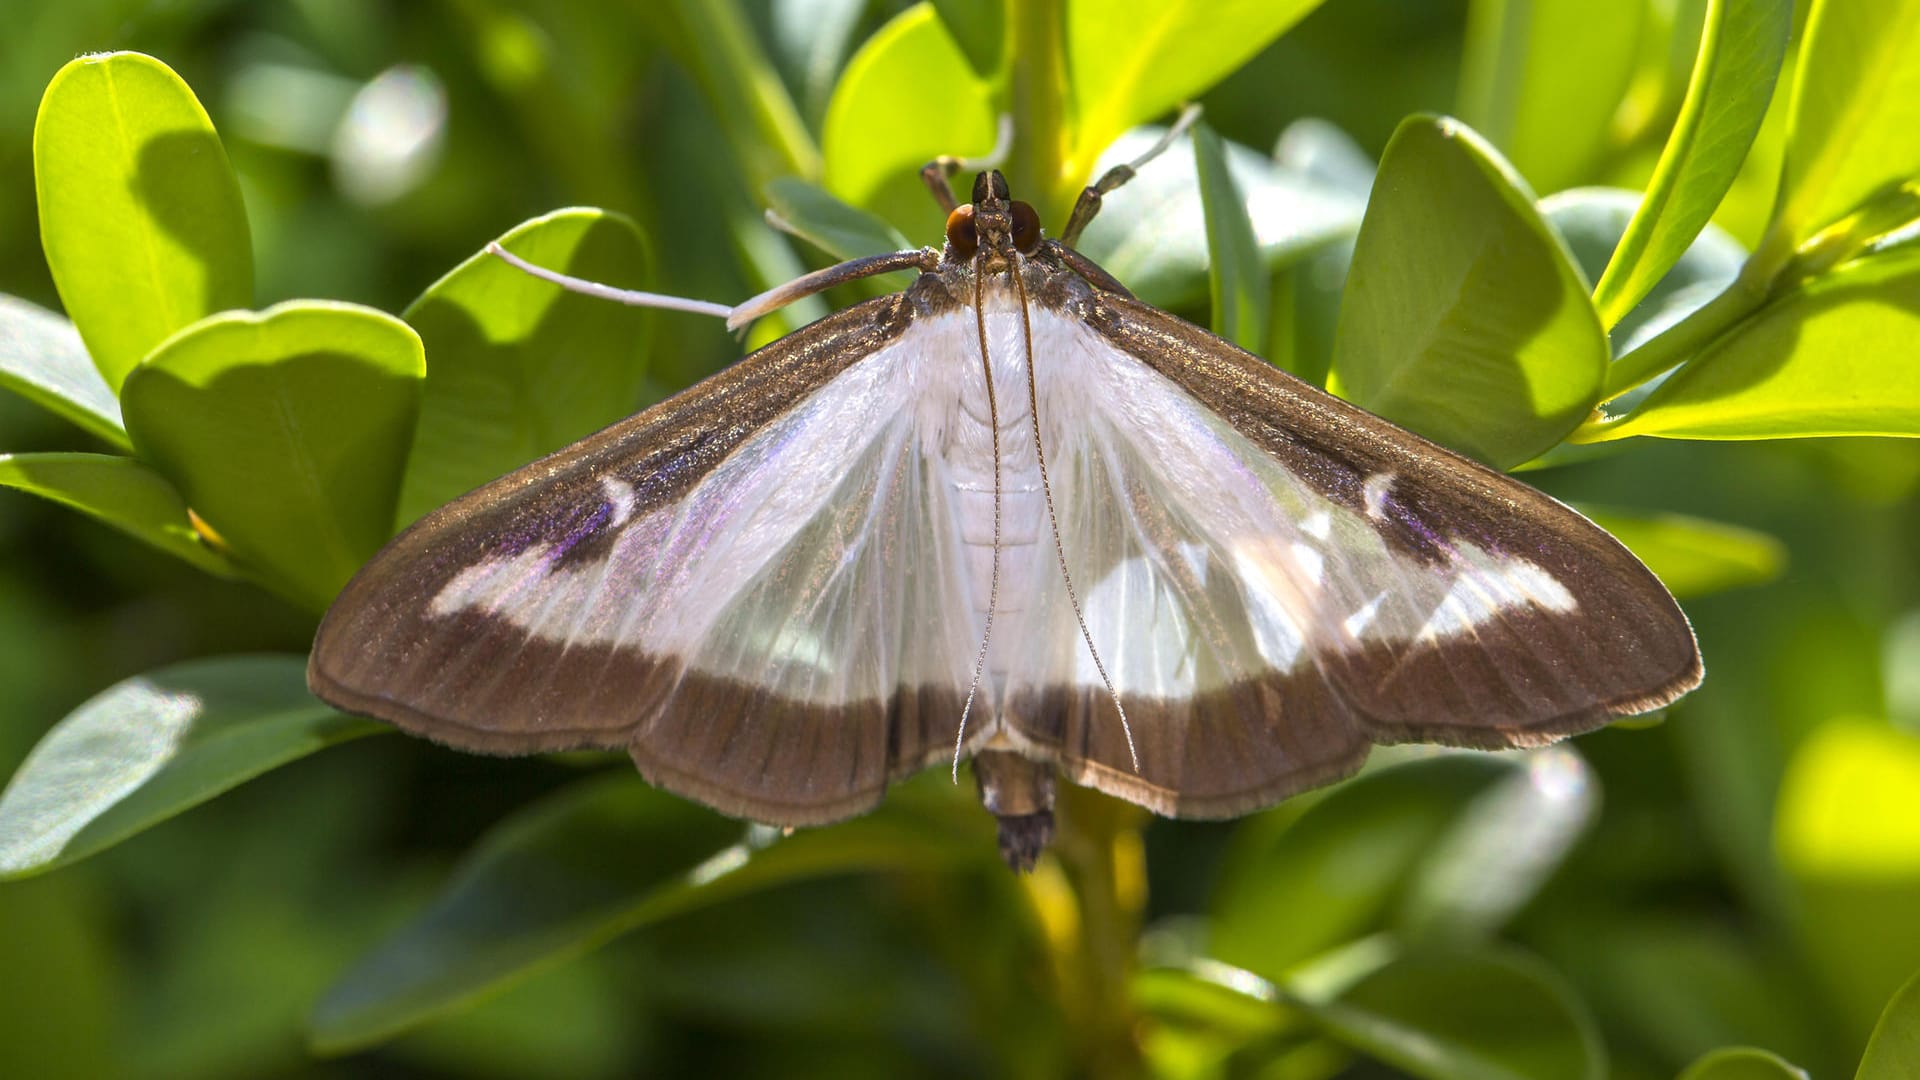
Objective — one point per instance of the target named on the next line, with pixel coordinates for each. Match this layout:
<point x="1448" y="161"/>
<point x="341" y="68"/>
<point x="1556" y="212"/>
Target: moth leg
<point x="1088" y="204"/>
<point x="938" y="174"/>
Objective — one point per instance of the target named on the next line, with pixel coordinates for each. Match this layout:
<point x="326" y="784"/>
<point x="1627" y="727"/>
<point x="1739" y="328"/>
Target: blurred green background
<point x="1746" y="871"/>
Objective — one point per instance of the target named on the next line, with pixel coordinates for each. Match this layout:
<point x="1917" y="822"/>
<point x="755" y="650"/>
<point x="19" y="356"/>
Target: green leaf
<point x="1895" y="1047"/>
<point x="521" y="367"/>
<point x="1464" y="316"/>
<point x="1152" y="233"/>
<point x="1856" y="105"/>
<point x="154" y="745"/>
<point x="1694" y="556"/>
<point x="287" y="431"/>
<point x="43" y="360"/>
<point x="979" y="27"/>
<point x="1132" y="60"/>
<point x="140" y="214"/>
<point x="879" y="131"/>
<point x="1541" y="80"/>
<point x="1337" y="872"/>
<point x="1742" y="1063"/>
<point x="1741" y="49"/>
<point x="119" y="491"/>
<point x="842" y="231"/>
<point x="1241" y="286"/>
<point x="597" y="860"/>
<point x="716" y="43"/>
<point x="1467" y="1016"/>
<point x="1822" y="360"/>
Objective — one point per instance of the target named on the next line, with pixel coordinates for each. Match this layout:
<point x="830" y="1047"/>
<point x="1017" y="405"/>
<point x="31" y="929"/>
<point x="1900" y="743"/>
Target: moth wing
<point x="752" y="587"/>
<point x="1275" y="579"/>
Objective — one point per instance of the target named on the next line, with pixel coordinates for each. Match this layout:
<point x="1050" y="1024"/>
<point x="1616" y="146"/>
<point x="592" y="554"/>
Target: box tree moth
<point x="1013" y="515"/>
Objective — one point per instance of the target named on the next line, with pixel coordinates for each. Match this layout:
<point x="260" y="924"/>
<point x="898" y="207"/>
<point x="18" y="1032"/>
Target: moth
<point x="1012" y="515"/>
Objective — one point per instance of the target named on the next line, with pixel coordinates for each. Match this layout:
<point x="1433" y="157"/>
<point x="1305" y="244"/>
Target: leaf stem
<point x="1099" y="852"/>
<point x="1037" y="97"/>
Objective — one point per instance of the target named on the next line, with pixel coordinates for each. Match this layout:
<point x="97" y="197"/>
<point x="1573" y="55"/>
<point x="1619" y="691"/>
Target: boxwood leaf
<point x="1541" y="80"/>
<point x="1464" y="318"/>
<point x="120" y="491"/>
<point x="519" y="366"/>
<point x="840" y="230"/>
<point x="1131" y="60"/>
<point x="1241" y="286"/>
<point x="1895" y="1045"/>
<point x="1742" y="1063"/>
<point x="287" y="431"/>
<point x="879" y="132"/>
<point x="43" y="360"/>
<point x="1694" y="556"/>
<point x="1338" y="870"/>
<point x="1487" y="1015"/>
<point x="1826" y="359"/>
<point x="598" y="859"/>
<point x="1856" y="104"/>
<point x="154" y="745"/>
<point x="1742" y="46"/>
<point x="979" y="27"/>
<point x="140" y="213"/>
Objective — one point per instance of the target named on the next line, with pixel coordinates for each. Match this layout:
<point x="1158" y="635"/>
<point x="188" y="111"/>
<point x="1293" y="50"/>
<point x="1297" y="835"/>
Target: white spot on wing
<point x="1319" y="525"/>
<point x="1486" y="587"/>
<point x="1375" y="492"/>
<point x="1357" y="623"/>
<point x="619" y="497"/>
<point x="1312" y="563"/>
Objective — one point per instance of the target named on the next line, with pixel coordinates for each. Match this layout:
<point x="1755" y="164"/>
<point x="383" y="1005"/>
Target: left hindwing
<point x="1276" y="579"/>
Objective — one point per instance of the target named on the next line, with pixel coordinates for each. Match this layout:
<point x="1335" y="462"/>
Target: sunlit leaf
<point x="979" y="27"/>
<point x="119" y="491"/>
<point x="287" y="431"/>
<point x="1856" y="105"/>
<point x="519" y="367"/>
<point x="1241" y="287"/>
<point x="601" y="858"/>
<point x="1444" y="1015"/>
<point x="43" y="360"/>
<point x="1827" y="359"/>
<point x="140" y="214"/>
<point x="157" y="744"/>
<point x="1131" y="60"/>
<point x="1741" y="49"/>
<point x="879" y="131"/>
<point x="1895" y="1046"/>
<point x="1694" y="556"/>
<point x="1464" y="317"/>
<point x="1742" y="1063"/>
<point x="1541" y="79"/>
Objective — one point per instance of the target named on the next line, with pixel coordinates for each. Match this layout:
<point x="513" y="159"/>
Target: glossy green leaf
<point x="1541" y="80"/>
<point x="140" y="213"/>
<point x="154" y="745"/>
<point x="1129" y="61"/>
<point x="1742" y="47"/>
<point x="1856" y="105"/>
<point x="597" y="860"/>
<point x="840" y="230"/>
<point x="519" y="367"/>
<point x="1694" y="556"/>
<point x="716" y="43"/>
<point x="1894" y="1051"/>
<point x="1823" y="360"/>
<point x="287" y="430"/>
<point x="1464" y="317"/>
<point x="879" y="131"/>
<point x="1468" y="1016"/>
<point x="1152" y="233"/>
<point x="119" y="491"/>
<point x="1338" y="871"/>
<point x="1236" y="271"/>
<point x="979" y="27"/>
<point x="43" y="360"/>
<point x="1742" y="1063"/>
<point x="812" y="39"/>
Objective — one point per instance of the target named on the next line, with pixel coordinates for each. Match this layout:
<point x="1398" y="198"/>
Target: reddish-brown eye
<point x="961" y="232"/>
<point x="1026" y="227"/>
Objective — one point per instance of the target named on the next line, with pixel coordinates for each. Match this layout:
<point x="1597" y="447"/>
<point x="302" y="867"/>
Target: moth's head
<point x="993" y="222"/>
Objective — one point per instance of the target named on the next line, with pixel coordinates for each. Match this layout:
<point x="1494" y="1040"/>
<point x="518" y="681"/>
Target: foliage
<point x="1669" y="896"/>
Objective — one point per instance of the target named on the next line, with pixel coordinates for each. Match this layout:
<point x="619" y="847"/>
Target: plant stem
<point x="717" y="43"/>
<point x="1037" y="97"/>
<point x="1099" y="853"/>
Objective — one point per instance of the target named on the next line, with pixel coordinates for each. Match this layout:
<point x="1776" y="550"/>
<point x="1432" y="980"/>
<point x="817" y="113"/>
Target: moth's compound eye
<point x="1026" y="228"/>
<point x="961" y="232"/>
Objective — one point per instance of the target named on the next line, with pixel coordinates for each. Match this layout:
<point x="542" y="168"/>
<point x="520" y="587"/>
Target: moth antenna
<point x="993" y="577"/>
<point x="938" y="174"/>
<point x="1088" y="204"/>
<point x="630" y="297"/>
<point x="1053" y="521"/>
